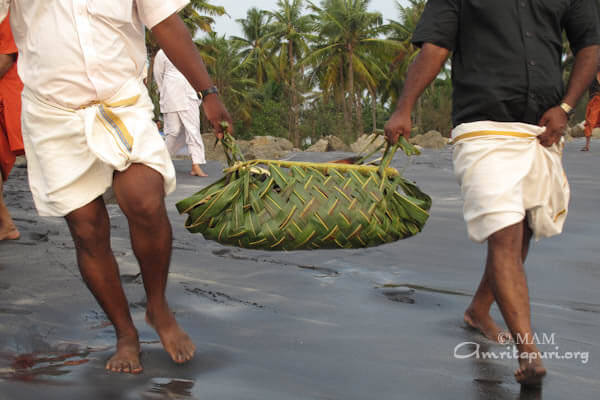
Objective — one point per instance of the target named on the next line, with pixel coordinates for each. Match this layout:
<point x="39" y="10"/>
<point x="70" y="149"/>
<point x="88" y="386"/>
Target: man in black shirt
<point x="508" y="92"/>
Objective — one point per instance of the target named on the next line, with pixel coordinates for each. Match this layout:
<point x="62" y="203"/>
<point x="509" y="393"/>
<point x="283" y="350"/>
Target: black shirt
<point x="506" y="62"/>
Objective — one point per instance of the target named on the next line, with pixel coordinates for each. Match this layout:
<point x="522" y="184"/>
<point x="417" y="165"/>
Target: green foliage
<point x="313" y="68"/>
<point x="269" y="119"/>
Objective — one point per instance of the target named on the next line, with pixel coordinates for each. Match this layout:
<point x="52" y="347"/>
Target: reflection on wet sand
<point x="495" y="380"/>
<point x="167" y="388"/>
<point x="38" y="367"/>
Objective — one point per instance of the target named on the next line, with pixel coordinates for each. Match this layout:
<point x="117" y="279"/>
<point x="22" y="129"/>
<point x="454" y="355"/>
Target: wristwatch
<point x="211" y="90"/>
<point x="567" y="109"/>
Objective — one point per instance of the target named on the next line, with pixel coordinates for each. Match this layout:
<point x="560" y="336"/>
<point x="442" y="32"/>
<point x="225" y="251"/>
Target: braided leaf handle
<point x="232" y="150"/>
<point x="234" y="154"/>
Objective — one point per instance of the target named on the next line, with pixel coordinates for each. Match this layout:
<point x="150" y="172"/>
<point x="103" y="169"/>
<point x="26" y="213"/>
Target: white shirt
<point x="75" y="52"/>
<point x="176" y="93"/>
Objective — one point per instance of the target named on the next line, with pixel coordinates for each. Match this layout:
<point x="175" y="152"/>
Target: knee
<point x="90" y="235"/>
<point x="146" y="209"/>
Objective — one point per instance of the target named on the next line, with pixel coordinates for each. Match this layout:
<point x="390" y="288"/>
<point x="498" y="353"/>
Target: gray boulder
<point x="266" y="147"/>
<point x="320" y="146"/>
<point x="430" y="140"/>
<point x="364" y="140"/>
<point x="576" y="131"/>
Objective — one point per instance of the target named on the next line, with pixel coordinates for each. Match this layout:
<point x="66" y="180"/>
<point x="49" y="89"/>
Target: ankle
<point x="157" y="309"/>
<point x="127" y="334"/>
<point x="528" y="352"/>
<point x="478" y="313"/>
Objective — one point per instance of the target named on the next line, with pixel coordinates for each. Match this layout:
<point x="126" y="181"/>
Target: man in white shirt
<point x="179" y="105"/>
<point x="87" y="127"/>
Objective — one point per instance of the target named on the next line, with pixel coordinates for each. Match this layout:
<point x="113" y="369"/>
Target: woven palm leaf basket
<point x="286" y="205"/>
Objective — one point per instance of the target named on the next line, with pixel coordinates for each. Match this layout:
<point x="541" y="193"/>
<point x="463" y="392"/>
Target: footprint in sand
<point x="413" y="294"/>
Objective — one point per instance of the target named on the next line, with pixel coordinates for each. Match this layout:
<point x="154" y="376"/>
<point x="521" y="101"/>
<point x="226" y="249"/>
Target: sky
<point x="237" y="9"/>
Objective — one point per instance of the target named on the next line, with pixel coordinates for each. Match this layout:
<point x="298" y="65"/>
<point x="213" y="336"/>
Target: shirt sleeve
<point x="438" y="24"/>
<point x="4" y="7"/>
<point x="153" y="12"/>
<point x="159" y="70"/>
<point x="7" y="42"/>
<point x="582" y="24"/>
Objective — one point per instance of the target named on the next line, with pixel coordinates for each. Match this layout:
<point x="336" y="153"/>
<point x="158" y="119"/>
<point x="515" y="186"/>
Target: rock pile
<point x="430" y="140"/>
<point x="259" y="147"/>
<point x="329" y="143"/>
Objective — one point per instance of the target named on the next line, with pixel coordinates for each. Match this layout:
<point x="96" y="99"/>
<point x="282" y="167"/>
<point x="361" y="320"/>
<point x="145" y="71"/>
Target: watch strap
<point x="567" y="109"/>
<point x="211" y="90"/>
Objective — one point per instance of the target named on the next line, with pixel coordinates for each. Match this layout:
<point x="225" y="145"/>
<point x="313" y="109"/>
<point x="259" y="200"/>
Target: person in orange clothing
<point x="11" y="141"/>
<point x="592" y="114"/>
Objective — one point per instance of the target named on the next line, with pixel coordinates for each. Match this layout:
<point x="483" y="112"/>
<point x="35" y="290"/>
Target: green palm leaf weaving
<point x="285" y="205"/>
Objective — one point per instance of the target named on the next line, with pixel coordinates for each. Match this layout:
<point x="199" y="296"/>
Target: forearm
<point x="584" y="71"/>
<point x="6" y="62"/>
<point x="420" y="74"/>
<point x="175" y="39"/>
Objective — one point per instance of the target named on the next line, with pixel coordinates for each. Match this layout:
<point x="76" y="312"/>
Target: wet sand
<point x="352" y="324"/>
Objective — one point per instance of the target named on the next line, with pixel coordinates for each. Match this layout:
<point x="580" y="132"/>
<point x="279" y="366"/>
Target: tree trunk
<point x="374" y="110"/>
<point x="294" y="138"/>
<point x="343" y="102"/>
<point x="351" y="93"/>
<point x="419" y="116"/>
<point x="360" y="124"/>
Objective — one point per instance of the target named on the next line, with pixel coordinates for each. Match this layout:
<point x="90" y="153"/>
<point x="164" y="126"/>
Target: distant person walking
<point x="179" y="105"/>
<point x="11" y="142"/>
<point x="510" y="112"/>
<point x="592" y="114"/>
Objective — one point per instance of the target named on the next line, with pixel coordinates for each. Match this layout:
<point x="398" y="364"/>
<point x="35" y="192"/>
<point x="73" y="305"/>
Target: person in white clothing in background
<point x="179" y="105"/>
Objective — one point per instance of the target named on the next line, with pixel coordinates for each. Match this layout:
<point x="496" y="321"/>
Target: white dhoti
<point x="73" y="154"/>
<point x="183" y="127"/>
<point x="506" y="175"/>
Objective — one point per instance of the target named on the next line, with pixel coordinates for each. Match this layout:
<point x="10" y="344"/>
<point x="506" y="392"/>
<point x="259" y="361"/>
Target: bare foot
<point x="487" y="327"/>
<point x="11" y="233"/>
<point x="197" y="171"/>
<point x="530" y="372"/>
<point x="175" y="341"/>
<point x="127" y="357"/>
<point x="585" y="148"/>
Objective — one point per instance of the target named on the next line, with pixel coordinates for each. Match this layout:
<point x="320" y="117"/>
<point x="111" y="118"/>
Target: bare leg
<point x="8" y="230"/>
<point x="588" y="140"/>
<point x="140" y="193"/>
<point x="477" y="315"/>
<point x="90" y="229"/>
<point x="509" y="285"/>
<point x="197" y="171"/>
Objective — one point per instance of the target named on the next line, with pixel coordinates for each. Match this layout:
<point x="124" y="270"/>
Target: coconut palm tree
<point x="235" y="87"/>
<point x="254" y="47"/>
<point x="198" y="15"/>
<point x="402" y="30"/>
<point x="348" y="51"/>
<point x="290" y="32"/>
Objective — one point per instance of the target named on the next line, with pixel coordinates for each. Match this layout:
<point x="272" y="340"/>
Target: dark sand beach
<point x="379" y="323"/>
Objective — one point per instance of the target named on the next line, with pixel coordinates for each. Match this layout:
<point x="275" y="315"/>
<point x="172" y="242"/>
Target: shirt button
<point x="532" y="63"/>
<point x="522" y="4"/>
<point x="528" y="34"/>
